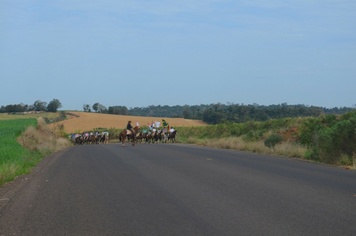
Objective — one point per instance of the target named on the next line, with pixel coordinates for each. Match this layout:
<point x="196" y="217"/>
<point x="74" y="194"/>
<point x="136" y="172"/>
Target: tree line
<point x="217" y="113"/>
<point x="214" y="113"/>
<point x="38" y="105"/>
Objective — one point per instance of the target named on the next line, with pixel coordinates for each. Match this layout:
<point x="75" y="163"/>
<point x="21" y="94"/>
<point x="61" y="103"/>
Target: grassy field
<point x="13" y="157"/>
<point x="5" y="116"/>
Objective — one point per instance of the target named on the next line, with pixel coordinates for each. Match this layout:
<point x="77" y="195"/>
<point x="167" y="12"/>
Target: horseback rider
<point x="129" y="127"/>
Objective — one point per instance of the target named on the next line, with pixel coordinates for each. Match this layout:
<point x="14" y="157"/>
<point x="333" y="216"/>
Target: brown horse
<point x="123" y="135"/>
<point x="172" y="136"/>
<point x="91" y="139"/>
<point x="148" y="138"/>
<point x="139" y="137"/>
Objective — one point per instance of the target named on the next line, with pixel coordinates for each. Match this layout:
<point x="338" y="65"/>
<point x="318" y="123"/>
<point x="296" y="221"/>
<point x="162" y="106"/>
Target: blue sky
<point x="147" y="52"/>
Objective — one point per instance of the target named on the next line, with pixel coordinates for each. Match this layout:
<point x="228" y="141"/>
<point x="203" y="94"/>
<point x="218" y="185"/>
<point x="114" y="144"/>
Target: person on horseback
<point x="129" y="127"/>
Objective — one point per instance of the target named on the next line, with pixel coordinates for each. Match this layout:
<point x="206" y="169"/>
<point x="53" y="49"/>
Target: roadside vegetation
<point x="326" y="139"/>
<point x="23" y="143"/>
<point x="275" y="137"/>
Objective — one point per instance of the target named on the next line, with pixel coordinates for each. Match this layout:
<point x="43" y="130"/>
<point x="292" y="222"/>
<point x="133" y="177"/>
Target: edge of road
<point x="10" y="189"/>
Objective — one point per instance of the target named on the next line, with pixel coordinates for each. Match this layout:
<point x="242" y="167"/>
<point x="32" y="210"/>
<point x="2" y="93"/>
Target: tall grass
<point x="288" y="149"/>
<point x="248" y="136"/>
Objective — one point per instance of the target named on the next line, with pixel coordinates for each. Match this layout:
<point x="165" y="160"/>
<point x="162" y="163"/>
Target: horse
<point x="97" y="138"/>
<point x="139" y="137"/>
<point x="159" y="137"/>
<point x="79" y="140"/>
<point x="148" y="137"/>
<point x="123" y="135"/>
<point x="106" y="138"/>
<point x="154" y="137"/>
<point x="72" y="138"/>
<point x="85" y="139"/>
<point x="91" y="139"/>
<point x="172" y="136"/>
<point x="164" y="137"/>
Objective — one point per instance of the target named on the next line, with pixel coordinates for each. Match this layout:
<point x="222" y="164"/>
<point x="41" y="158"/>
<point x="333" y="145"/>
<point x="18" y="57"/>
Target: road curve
<point x="174" y="189"/>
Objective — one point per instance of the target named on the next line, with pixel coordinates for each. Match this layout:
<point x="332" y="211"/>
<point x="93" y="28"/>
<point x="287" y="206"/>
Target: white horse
<point x="164" y="137"/>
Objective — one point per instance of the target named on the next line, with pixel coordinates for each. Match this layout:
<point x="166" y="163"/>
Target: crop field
<point x="12" y="154"/>
<point x="5" y="116"/>
<point x="85" y="121"/>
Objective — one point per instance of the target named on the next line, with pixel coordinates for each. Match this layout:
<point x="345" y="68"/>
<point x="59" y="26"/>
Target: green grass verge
<point x="14" y="159"/>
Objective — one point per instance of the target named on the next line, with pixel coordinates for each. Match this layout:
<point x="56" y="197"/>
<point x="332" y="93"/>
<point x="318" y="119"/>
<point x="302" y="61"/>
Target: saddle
<point x="128" y="132"/>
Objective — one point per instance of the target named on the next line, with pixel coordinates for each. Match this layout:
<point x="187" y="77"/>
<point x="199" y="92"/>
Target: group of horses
<point x="149" y="137"/>
<point x="125" y="135"/>
<point x="90" y="139"/>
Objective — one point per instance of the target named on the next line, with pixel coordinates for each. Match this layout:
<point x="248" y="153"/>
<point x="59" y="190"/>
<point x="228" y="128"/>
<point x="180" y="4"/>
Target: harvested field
<point x="88" y="121"/>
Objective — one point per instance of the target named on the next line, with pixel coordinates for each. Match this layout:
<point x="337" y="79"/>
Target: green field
<point x="6" y="116"/>
<point x="14" y="159"/>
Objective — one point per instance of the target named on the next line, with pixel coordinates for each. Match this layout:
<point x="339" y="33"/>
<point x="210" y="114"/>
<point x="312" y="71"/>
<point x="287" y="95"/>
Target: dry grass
<point x="42" y="139"/>
<point x="237" y="143"/>
<point x="88" y="121"/>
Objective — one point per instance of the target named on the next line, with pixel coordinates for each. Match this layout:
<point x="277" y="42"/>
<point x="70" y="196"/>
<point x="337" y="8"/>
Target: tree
<point x="39" y="105"/>
<point x="124" y="110"/>
<point x="102" y="108"/>
<point x="95" y="106"/>
<point x="114" y="110"/>
<point x="186" y="113"/>
<point x="54" y="105"/>
<point x="31" y="108"/>
<point x="86" y="108"/>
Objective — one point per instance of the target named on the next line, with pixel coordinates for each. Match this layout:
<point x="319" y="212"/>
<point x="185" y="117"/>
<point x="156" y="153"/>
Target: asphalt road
<point x="173" y="189"/>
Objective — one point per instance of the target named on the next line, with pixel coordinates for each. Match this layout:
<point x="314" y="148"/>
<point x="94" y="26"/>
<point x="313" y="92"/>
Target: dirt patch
<point x="88" y="121"/>
<point x="290" y="134"/>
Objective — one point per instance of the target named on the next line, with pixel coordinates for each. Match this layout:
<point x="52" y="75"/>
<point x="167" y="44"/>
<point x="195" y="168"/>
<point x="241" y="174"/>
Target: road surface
<point x="175" y="189"/>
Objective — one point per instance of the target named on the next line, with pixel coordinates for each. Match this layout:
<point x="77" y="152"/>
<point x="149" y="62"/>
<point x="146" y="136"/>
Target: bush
<point x="273" y="140"/>
<point x="311" y="155"/>
<point x="330" y="138"/>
